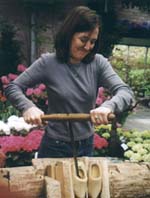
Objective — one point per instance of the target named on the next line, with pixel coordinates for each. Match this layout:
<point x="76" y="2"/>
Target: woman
<point x="72" y="76"/>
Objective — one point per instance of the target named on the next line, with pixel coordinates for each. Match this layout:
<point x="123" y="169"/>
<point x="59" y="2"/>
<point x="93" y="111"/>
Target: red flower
<point x="12" y="76"/>
<point x="5" y="80"/>
<point x="37" y="91"/>
<point x="101" y="96"/>
<point x="11" y="143"/>
<point x="32" y="140"/>
<point x="28" y="143"/>
<point x="29" y="91"/>
<point x="21" y="68"/>
<point x="42" y="87"/>
<point x="99" y="142"/>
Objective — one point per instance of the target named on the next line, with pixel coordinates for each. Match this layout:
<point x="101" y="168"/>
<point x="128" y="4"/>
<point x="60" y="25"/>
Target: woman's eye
<point x="84" y="39"/>
<point x="93" y="41"/>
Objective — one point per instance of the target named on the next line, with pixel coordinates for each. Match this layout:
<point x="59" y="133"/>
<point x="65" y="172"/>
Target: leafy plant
<point x="37" y="94"/>
<point x="10" y="48"/>
<point x="6" y="109"/>
<point x="137" y="145"/>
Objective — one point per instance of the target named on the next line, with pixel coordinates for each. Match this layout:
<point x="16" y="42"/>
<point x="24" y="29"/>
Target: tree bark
<point x="120" y="179"/>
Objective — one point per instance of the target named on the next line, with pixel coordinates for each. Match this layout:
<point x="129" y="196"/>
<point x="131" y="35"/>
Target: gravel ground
<point x="140" y="119"/>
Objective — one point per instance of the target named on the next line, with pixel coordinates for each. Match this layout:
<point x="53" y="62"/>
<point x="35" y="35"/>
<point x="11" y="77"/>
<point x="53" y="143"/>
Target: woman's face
<point x="82" y="43"/>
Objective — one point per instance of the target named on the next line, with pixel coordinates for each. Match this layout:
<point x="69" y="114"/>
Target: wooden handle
<point x="71" y="116"/>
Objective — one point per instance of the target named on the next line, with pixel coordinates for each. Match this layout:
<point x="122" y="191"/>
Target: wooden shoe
<point x="50" y="170"/>
<point x="79" y="182"/>
<point x="94" y="179"/>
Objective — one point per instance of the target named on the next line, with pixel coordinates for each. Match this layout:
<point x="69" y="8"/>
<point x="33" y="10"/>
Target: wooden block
<point x="128" y="178"/>
<point x="53" y="189"/>
<point x="50" y="170"/>
<point x="59" y="175"/>
<point x="4" y="177"/>
<point x="105" y="179"/>
<point x="24" y="179"/>
<point x="68" y="183"/>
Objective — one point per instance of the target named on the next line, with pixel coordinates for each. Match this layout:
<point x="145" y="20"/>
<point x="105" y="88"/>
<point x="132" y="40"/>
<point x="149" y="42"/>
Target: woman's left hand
<point x="100" y="115"/>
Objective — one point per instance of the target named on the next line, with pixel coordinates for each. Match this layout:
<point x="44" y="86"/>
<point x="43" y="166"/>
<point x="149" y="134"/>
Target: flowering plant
<point x="6" y="109"/>
<point x="100" y="145"/>
<point x="15" y="126"/>
<point x="37" y="94"/>
<point x="136" y="145"/>
<point x="20" y="150"/>
<point x="101" y="140"/>
<point x="102" y="95"/>
<point x="18" y="141"/>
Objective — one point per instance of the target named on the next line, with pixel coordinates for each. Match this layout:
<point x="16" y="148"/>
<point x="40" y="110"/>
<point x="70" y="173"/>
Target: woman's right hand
<point x="33" y="116"/>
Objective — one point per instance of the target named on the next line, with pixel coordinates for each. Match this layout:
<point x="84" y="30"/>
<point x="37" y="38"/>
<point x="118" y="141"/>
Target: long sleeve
<point x="15" y="91"/>
<point x="122" y="95"/>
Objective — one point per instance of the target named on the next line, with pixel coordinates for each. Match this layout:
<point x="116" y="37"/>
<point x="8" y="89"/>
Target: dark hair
<point x="80" y="19"/>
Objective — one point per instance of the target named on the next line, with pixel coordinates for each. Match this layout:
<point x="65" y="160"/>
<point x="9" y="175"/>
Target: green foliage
<point x="21" y="158"/>
<point x="113" y="147"/>
<point x="10" y="48"/>
<point x="139" y="81"/>
<point x="138" y="147"/>
<point x="135" y="144"/>
<point x="6" y="110"/>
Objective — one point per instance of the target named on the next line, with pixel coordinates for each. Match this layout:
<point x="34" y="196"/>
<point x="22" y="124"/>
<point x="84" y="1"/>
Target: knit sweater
<point x="71" y="88"/>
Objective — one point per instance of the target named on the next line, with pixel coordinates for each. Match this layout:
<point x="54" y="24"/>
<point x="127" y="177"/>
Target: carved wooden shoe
<point x="50" y="170"/>
<point x="79" y="182"/>
<point x="94" y="179"/>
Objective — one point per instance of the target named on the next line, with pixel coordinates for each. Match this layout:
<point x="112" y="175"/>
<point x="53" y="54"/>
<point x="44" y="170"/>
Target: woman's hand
<point x="33" y="116"/>
<point x="100" y="115"/>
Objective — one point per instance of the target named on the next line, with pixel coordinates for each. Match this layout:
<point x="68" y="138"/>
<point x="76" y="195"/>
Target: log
<point x="24" y="180"/>
<point x="129" y="180"/>
<point x="123" y="179"/>
<point x="120" y="179"/>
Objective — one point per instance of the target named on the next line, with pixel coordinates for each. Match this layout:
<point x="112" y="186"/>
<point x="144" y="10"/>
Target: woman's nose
<point x="88" y="45"/>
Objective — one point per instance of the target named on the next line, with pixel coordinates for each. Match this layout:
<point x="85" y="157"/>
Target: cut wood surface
<point x="120" y="179"/>
<point x="53" y="189"/>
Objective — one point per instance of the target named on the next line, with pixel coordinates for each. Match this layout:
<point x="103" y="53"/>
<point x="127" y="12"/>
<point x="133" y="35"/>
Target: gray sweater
<point x="70" y="89"/>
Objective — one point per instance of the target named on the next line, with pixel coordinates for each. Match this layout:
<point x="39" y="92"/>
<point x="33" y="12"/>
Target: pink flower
<point x="99" y="142"/>
<point x="28" y="143"/>
<point x="99" y="101"/>
<point x="29" y="91"/>
<point x="101" y="96"/>
<point x="11" y="143"/>
<point x="32" y="140"/>
<point x="37" y="91"/>
<point x="5" y="80"/>
<point x="4" y="86"/>
<point x="21" y="68"/>
<point x="12" y="76"/>
<point x="46" y="102"/>
<point x="42" y="87"/>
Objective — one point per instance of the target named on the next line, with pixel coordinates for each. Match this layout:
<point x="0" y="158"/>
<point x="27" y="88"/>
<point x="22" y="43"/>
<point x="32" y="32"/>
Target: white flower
<point x="4" y="128"/>
<point x="13" y="118"/>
